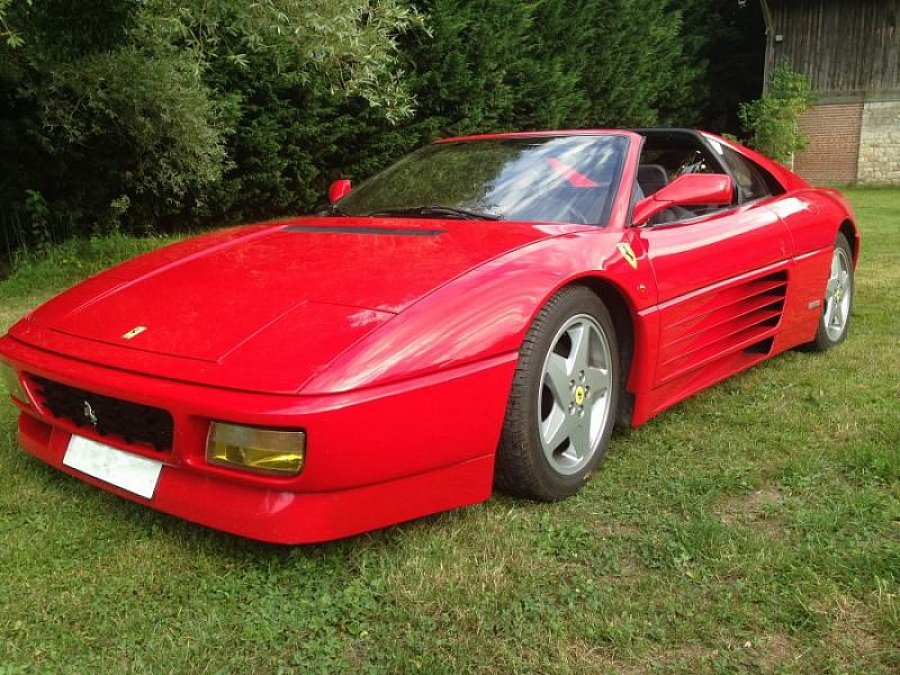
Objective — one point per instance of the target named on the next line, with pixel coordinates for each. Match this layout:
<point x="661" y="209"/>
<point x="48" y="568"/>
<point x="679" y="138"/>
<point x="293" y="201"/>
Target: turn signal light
<point x="267" y="451"/>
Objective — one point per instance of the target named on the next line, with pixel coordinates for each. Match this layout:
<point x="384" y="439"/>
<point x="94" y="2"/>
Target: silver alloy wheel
<point x="575" y="398"/>
<point x="838" y="294"/>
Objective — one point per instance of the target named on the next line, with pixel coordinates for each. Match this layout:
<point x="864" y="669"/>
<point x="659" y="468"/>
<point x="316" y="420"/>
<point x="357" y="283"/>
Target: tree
<point x="726" y="38"/>
<point x="150" y="114"/>
<point x="112" y="111"/>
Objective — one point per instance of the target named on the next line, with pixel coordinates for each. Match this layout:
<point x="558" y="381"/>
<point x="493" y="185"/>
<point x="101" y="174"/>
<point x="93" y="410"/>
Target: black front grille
<point x="106" y="416"/>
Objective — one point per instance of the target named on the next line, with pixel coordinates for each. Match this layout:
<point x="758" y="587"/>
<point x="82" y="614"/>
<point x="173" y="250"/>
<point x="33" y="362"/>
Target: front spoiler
<point x="375" y="457"/>
<point x="285" y="517"/>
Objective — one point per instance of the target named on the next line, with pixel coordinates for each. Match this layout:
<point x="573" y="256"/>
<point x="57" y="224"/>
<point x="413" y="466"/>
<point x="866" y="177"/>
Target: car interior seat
<point x="651" y="177"/>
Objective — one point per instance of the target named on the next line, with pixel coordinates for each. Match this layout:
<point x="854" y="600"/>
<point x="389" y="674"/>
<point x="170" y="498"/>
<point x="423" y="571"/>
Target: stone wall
<point x="879" y="144"/>
<point x="833" y="130"/>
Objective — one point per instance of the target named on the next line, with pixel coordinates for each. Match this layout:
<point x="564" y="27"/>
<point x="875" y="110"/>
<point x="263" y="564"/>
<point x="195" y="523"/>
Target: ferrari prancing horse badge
<point x="628" y="254"/>
<point x="134" y="332"/>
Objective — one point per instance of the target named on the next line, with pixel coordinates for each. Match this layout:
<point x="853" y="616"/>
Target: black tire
<point x="523" y="466"/>
<point x="827" y="335"/>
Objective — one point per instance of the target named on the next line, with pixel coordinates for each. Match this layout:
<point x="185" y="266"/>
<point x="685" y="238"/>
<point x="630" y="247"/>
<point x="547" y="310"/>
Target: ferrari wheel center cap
<point x="579" y="395"/>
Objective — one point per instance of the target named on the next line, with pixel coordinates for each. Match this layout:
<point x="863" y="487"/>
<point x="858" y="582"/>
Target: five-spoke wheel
<point x="575" y="394"/>
<point x="838" y="294"/>
<point x="563" y="402"/>
<point x="838" y="301"/>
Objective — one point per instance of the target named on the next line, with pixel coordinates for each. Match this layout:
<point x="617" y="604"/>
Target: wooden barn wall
<point x="844" y="46"/>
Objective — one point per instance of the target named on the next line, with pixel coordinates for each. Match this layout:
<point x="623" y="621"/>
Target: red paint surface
<point x="692" y="189"/>
<point x="395" y="353"/>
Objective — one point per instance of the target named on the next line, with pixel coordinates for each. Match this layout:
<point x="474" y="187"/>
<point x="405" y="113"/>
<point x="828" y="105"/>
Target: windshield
<point x="569" y="179"/>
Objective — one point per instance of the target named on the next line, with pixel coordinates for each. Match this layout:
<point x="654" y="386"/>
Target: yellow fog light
<point x="13" y="383"/>
<point x="271" y="451"/>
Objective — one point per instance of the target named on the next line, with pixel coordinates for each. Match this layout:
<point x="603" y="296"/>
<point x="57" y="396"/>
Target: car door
<point x="722" y="282"/>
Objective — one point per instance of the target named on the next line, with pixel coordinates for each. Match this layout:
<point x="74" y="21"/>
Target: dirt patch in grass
<point x="767" y="654"/>
<point x="772" y="651"/>
<point x="755" y="510"/>
<point x="679" y="656"/>
<point x="613" y="528"/>
<point x="586" y="657"/>
<point x="853" y="635"/>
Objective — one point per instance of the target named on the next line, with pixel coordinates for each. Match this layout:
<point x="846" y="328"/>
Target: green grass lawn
<point x="753" y="528"/>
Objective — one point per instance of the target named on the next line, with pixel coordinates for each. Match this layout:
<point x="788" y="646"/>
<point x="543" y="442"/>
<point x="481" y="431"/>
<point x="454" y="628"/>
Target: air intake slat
<point x="726" y="315"/>
<point x="748" y="325"/>
<point x="724" y="299"/>
<point x="707" y="327"/>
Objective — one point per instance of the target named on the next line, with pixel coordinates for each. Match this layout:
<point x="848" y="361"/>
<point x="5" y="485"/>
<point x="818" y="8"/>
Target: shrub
<point x="773" y="120"/>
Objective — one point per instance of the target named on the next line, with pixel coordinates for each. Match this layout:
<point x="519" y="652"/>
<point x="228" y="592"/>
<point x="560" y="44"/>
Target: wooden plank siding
<point x="850" y="50"/>
<point x="846" y="47"/>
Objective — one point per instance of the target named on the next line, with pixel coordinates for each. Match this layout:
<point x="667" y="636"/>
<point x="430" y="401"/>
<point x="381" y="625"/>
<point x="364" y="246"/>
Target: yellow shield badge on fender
<point x="628" y="254"/>
<point x="134" y="332"/>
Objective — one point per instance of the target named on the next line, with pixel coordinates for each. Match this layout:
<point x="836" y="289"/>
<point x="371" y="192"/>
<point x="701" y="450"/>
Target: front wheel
<point x="838" y="302"/>
<point x="564" y="399"/>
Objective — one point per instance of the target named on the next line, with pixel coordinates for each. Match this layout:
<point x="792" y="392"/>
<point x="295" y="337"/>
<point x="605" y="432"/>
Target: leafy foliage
<point x="639" y="67"/>
<point x="350" y="41"/>
<point x="773" y="119"/>
<point x="155" y="115"/>
<point x="123" y="113"/>
<point x="7" y="34"/>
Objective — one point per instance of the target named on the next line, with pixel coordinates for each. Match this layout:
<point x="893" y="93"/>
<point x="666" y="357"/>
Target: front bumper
<point x="374" y="457"/>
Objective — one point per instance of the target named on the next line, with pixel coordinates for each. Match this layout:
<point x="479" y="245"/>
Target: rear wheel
<point x="564" y="399"/>
<point x="838" y="303"/>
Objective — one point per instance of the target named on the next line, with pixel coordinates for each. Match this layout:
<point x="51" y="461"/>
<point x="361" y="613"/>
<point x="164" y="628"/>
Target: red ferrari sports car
<point x="481" y="313"/>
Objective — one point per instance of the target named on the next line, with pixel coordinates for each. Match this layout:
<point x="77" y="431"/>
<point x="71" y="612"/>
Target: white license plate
<point x="111" y="465"/>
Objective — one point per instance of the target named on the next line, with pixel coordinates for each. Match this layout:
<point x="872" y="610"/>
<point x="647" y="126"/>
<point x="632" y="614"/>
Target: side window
<point x="667" y="155"/>
<point x="677" y="160"/>
<point x="750" y="178"/>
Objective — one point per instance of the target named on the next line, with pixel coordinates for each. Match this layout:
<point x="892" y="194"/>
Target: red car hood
<point x="264" y="307"/>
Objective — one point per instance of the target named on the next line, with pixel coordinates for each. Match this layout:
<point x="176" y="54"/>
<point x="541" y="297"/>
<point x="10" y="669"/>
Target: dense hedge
<point x="137" y="115"/>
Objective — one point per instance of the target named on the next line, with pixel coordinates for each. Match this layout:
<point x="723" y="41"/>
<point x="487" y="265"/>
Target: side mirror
<point x="339" y="189"/>
<point x="691" y="189"/>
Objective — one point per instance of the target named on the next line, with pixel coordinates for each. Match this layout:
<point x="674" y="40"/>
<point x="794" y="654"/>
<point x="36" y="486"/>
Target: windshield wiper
<point x="436" y="211"/>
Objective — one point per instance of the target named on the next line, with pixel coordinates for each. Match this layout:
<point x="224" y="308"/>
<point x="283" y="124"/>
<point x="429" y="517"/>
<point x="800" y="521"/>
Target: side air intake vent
<point x="742" y="317"/>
